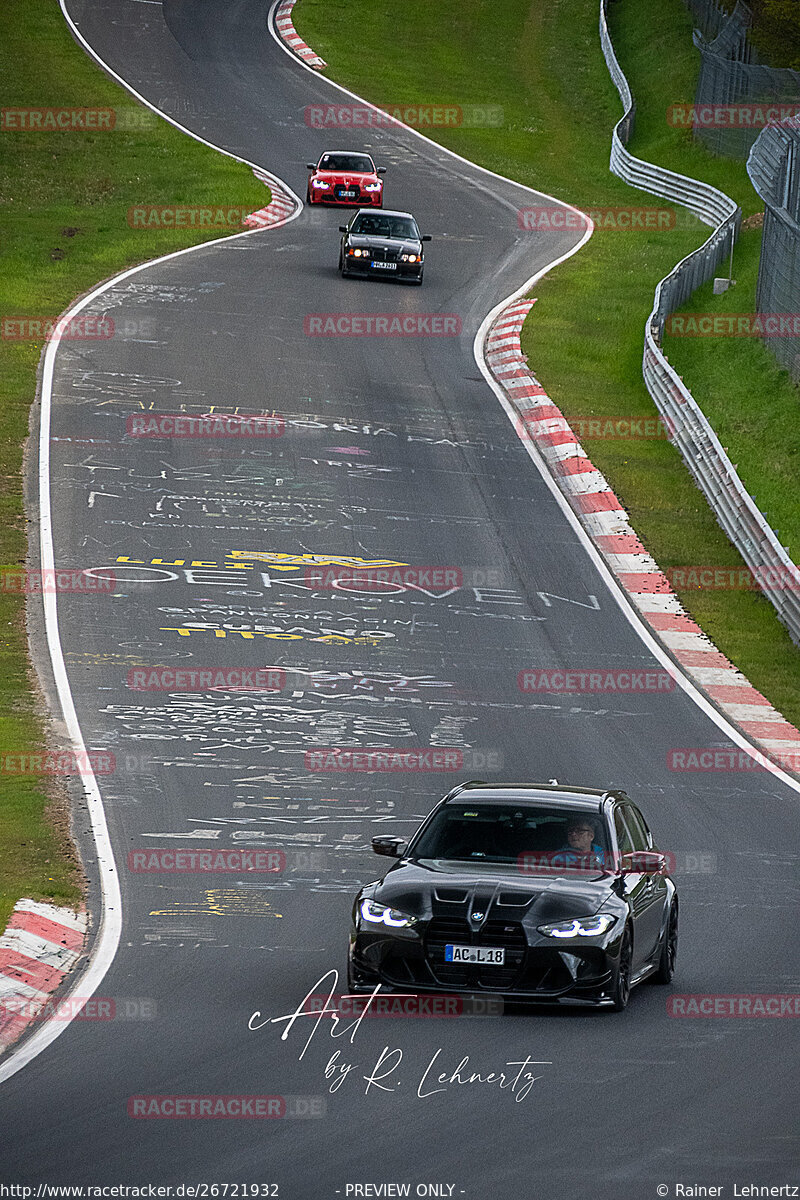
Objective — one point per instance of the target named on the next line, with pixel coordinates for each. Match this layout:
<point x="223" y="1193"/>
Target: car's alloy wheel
<point x="621" y="990"/>
<point x="669" y="948"/>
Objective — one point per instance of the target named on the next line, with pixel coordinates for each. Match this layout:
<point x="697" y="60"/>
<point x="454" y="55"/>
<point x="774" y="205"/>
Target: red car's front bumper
<point x="339" y="193"/>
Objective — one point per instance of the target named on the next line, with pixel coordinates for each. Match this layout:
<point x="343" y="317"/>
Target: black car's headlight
<point x="381" y="914"/>
<point x="410" y="258"/>
<point x="358" y="253"/>
<point x="579" y="927"/>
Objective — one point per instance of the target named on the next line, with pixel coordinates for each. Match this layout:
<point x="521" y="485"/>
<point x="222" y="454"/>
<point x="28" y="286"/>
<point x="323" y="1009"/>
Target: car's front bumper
<point x="399" y="270"/>
<point x="540" y="973"/>
<point x="329" y="198"/>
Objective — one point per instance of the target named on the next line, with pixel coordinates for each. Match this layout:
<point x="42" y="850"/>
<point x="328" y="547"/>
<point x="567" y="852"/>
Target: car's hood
<point x="453" y="889"/>
<point x="402" y="245"/>
<point x="346" y="176"/>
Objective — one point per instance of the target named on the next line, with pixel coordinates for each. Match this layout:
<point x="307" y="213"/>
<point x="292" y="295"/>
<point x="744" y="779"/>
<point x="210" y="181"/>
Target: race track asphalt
<point x="394" y="448"/>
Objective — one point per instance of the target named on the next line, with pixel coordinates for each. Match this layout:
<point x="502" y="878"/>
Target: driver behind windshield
<point x="581" y="846"/>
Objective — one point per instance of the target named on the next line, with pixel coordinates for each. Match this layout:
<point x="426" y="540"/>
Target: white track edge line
<point x="279" y="183"/>
<point x="614" y="586"/>
<point x="400" y="127"/>
<point x="621" y="597"/>
<point x="105" y="946"/>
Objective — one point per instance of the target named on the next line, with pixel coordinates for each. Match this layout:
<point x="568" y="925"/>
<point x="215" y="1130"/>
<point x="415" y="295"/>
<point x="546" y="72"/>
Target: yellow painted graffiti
<point x="221" y="902"/>
<point x="245" y="560"/>
<point x="335" y="639"/>
<point x="293" y="562"/>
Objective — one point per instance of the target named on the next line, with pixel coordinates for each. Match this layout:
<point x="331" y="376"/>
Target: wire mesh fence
<point x="700" y="447"/>
<point x="737" y="95"/>
<point x="774" y="168"/>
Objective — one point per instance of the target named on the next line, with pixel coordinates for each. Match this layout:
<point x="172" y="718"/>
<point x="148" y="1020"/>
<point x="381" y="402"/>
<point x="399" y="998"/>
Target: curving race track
<point x="394" y="448"/>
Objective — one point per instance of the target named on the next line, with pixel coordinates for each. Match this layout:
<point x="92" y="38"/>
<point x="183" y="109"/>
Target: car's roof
<point x="363" y="153"/>
<point x="385" y="212"/>
<point x="534" y="794"/>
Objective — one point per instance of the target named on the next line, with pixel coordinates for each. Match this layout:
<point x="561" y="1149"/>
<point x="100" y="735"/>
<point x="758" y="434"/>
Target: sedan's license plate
<point x="484" y="955"/>
<point x="348" y="194"/>
<point x="382" y="266"/>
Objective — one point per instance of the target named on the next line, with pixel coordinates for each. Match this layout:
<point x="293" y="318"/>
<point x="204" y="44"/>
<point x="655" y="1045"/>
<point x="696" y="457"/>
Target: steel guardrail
<point x="736" y="511"/>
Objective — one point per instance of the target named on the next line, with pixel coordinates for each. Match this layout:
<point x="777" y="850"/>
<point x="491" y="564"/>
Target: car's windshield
<point x="526" y="836"/>
<point x="346" y="162"/>
<point x="373" y="225"/>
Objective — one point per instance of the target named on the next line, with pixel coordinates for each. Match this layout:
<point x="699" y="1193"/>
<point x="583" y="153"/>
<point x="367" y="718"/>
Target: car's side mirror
<point x="380" y="171"/>
<point x="644" y="862"/>
<point x="342" y="229"/>
<point x="311" y="166"/>
<point x="426" y="237"/>
<point x="390" y="846"/>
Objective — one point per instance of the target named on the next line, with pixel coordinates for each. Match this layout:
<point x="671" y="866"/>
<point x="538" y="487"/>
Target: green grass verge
<point x="64" y="201"/>
<point x="541" y="61"/>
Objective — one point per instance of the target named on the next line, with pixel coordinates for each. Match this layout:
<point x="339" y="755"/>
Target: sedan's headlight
<point x="372" y="187"/>
<point x="410" y="258"/>
<point x="320" y="183"/>
<point x="579" y="927"/>
<point x="359" y="253"/>
<point x="380" y="914"/>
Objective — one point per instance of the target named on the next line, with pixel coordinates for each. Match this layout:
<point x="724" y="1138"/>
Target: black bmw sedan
<point x="535" y="892"/>
<point x="384" y="243"/>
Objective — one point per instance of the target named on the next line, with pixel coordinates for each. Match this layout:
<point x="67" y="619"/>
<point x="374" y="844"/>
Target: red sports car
<point x="341" y="177"/>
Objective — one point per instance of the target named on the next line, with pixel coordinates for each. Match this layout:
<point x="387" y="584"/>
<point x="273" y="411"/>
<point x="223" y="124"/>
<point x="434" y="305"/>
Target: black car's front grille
<point x="384" y="254"/>
<point x="442" y="931"/>
<point x="510" y="935"/>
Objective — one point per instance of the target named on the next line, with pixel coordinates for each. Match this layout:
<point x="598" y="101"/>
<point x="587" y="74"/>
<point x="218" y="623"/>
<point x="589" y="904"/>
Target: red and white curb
<point x="606" y="522"/>
<point x="40" y="946"/>
<point x="280" y="207"/>
<point x="288" y="33"/>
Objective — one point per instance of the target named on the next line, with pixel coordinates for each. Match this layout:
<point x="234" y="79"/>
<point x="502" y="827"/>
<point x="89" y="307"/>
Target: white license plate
<point x="348" y="195"/>
<point x="493" y="956"/>
<point x="380" y="266"/>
